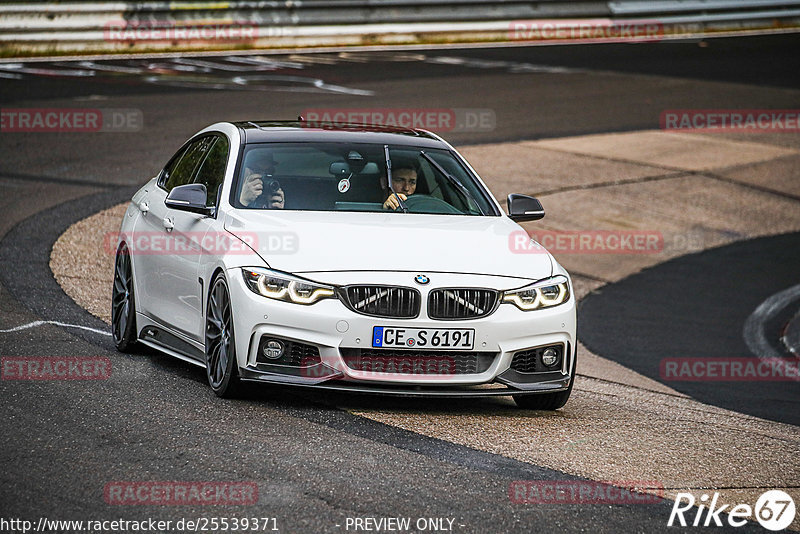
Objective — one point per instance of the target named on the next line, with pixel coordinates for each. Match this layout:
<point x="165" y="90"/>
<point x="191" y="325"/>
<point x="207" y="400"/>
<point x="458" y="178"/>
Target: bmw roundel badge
<point x="421" y="279"/>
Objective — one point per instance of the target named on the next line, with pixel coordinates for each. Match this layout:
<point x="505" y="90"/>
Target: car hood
<point x="305" y="241"/>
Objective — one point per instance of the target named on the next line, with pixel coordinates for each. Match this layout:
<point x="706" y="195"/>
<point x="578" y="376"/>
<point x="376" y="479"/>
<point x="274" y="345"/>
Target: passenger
<point x="259" y="189"/>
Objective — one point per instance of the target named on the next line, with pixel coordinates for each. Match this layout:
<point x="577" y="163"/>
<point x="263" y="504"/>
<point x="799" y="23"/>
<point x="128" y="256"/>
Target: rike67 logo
<point x="774" y="510"/>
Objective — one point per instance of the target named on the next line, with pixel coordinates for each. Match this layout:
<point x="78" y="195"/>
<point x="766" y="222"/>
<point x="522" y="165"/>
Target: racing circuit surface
<point x="578" y="127"/>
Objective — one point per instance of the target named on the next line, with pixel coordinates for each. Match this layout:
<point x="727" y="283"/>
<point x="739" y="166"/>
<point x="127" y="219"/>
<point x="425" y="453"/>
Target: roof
<point x="294" y="131"/>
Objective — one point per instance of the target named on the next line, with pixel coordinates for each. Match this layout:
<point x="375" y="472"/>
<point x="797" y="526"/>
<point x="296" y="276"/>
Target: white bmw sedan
<point x="346" y="257"/>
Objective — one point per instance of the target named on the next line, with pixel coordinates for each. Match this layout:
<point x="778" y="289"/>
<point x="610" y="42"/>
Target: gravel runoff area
<point x="698" y="192"/>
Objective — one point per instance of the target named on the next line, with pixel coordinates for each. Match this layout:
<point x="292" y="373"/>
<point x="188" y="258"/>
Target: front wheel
<point x="123" y="309"/>
<point x="548" y="401"/>
<point x="221" y="366"/>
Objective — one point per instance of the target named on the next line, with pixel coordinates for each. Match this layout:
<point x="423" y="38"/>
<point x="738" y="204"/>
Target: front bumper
<point x="337" y="332"/>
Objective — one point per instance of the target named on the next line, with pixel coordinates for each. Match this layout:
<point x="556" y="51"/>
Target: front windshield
<point x="353" y="177"/>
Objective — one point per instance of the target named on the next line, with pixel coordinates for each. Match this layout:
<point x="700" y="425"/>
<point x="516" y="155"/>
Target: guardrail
<point x="138" y="26"/>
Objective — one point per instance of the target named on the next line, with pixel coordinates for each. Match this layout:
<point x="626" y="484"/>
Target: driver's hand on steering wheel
<point x="392" y="203"/>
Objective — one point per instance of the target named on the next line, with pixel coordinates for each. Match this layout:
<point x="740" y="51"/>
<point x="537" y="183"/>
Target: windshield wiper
<point x="389" y="178"/>
<point x="452" y="179"/>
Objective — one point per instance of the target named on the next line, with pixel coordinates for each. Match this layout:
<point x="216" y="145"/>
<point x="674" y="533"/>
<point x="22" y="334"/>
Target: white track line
<point x="40" y="323"/>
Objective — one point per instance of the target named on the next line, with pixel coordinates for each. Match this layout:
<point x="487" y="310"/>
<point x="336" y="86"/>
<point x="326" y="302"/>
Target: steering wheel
<point x="429" y="204"/>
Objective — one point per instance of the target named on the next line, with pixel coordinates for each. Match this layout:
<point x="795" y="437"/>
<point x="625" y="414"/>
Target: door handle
<point x="168" y="223"/>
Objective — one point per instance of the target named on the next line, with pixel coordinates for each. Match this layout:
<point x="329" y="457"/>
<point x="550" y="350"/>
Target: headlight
<point x="543" y="294"/>
<point x="280" y="286"/>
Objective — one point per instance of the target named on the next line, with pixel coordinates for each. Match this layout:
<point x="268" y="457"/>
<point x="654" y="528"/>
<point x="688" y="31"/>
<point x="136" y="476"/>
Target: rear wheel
<point x="123" y="310"/>
<point x="548" y="401"/>
<point x="221" y="366"/>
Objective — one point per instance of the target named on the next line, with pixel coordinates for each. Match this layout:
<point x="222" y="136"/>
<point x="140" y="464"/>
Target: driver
<point x="404" y="183"/>
<point x="259" y="189"/>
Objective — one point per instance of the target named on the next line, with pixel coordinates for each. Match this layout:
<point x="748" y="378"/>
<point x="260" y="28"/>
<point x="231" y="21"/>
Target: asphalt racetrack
<point x="319" y="459"/>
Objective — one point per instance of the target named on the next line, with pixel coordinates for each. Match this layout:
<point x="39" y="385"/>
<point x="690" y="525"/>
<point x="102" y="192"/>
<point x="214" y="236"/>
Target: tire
<point x="548" y="401"/>
<point x="123" y="302"/>
<point x="220" y="346"/>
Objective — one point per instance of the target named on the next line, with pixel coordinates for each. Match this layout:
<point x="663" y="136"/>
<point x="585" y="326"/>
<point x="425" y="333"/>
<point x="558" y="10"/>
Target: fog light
<point x="273" y="349"/>
<point x="550" y="357"/>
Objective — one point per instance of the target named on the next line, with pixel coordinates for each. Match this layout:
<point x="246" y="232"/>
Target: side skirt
<point x="160" y="339"/>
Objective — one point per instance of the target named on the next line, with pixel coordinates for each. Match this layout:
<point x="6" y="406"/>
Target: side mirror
<point x="189" y="197"/>
<point x="523" y="208"/>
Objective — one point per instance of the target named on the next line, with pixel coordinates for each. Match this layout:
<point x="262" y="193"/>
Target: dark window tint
<point x="171" y="166"/>
<point x="184" y="166"/>
<point x="353" y="177"/>
<point x="212" y="170"/>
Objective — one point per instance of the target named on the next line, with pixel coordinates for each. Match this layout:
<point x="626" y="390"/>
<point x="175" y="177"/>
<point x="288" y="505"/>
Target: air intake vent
<point x="294" y="354"/>
<point x="417" y="362"/>
<point x="530" y="360"/>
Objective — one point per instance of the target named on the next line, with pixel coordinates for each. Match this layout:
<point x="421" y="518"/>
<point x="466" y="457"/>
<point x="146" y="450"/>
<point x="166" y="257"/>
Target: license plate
<point x="423" y="338"/>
